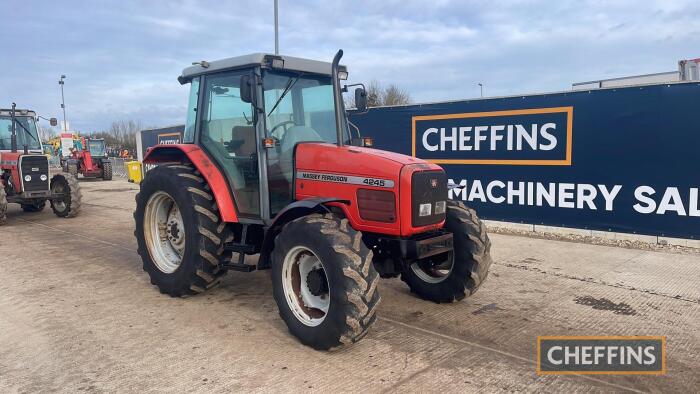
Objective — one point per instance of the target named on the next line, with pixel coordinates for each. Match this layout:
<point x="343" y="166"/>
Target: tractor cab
<point x="25" y="126"/>
<point x="96" y="147"/>
<point x="250" y="112"/>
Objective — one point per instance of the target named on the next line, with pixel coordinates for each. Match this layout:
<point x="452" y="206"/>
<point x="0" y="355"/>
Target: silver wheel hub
<point x="305" y="286"/>
<point x="164" y="232"/>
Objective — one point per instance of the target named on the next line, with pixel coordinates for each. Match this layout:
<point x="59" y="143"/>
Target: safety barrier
<point x="118" y="167"/>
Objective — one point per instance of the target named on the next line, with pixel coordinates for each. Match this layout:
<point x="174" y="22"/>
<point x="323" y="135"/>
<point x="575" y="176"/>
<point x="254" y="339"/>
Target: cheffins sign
<point x="619" y="159"/>
<point x="541" y="136"/>
<point x="169" y="138"/>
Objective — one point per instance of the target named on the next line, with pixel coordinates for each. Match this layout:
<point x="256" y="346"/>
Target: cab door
<point x="227" y="133"/>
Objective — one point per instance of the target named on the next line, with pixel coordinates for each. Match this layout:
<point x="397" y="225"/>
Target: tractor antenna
<point x="13" y="136"/>
<point x="339" y="107"/>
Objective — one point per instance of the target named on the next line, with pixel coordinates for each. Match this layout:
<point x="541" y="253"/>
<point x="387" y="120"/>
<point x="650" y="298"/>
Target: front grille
<point x="34" y="166"/>
<point x="427" y="187"/>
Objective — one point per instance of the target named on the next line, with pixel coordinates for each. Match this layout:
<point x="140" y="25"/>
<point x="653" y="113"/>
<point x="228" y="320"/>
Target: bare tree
<point x="121" y="133"/>
<point x="46" y="133"/>
<point x="394" y="95"/>
<point x="377" y="95"/>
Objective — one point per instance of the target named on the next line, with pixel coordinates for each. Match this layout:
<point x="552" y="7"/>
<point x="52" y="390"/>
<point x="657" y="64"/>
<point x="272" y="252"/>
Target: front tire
<point x="324" y="282"/>
<point x="3" y="205"/>
<point x="66" y="186"/>
<point x="179" y="232"/>
<point x="107" y="171"/>
<point x="460" y="273"/>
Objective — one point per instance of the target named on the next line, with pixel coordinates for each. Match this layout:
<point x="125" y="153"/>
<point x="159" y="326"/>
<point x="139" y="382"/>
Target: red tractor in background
<point x="24" y="176"/>
<point x="91" y="161"/>
<point x="270" y="166"/>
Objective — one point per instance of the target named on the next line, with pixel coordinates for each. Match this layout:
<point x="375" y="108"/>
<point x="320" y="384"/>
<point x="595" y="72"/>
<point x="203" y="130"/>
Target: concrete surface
<point x="77" y="314"/>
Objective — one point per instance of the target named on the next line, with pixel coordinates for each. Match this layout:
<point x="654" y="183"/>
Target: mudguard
<point x="181" y="153"/>
<point x="292" y="211"/>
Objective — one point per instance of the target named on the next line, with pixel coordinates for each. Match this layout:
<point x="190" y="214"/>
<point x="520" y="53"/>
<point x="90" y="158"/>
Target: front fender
<point x="182" y="153"/>
<point x="292" y="211"/>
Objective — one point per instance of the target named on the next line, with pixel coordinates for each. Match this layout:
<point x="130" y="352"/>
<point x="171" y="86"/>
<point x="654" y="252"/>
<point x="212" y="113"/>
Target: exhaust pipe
<point x="338" y="96"/>
<point x="13" y="136"/>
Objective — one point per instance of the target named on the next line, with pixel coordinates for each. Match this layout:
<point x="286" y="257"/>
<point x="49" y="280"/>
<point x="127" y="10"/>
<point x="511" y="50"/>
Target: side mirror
<point x="361" y="99"/>
<point x="53" y="122"/>
<point x="246" y="89"/>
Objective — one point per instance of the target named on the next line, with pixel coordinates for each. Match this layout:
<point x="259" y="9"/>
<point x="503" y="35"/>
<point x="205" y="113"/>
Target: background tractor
<point x="24" y="176"/>
<point x="91" y="161"/>
<point x="270" y="166"/>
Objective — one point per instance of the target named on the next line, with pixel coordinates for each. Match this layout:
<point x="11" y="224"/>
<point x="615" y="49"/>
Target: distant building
<point x="688" y="70"/>
<point x="150" y="137"/>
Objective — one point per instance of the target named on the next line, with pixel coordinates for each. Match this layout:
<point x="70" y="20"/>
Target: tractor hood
<point x="353" y="160"/>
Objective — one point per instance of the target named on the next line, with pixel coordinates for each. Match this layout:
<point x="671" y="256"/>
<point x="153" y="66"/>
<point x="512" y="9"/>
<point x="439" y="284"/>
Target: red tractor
<point x="24" y="176"/>
<point x="91" y="161"/>
<point x="270" y="166"/>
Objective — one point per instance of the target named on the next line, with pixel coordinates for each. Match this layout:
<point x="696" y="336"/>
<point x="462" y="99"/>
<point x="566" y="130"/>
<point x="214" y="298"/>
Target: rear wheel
<point x="72" y="169"/>
<point x="324" y="282"/>
<point x="3" y="205"/>
<point x="65" y="195"/>
<point x="179" y="232"/>
<point x="34" y="207"/>
<point x="107" y="170"/>
<point x="455" y="275"/>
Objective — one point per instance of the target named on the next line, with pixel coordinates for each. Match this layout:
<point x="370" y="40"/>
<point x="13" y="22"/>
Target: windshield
<point x="299" y="107"/>
<point x="96" y="148"/>
<point x="31" y="139"/>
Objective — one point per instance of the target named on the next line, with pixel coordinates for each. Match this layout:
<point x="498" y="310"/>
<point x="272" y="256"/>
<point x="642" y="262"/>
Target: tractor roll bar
<point x="337" y="95"/>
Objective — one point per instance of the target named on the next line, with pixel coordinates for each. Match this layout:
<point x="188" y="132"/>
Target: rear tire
<point x="72" y="169"/>
<point x="339" y="312"/>
<point x="470" y="263"/>
<point x="197" y="263"/>
<point x="107" y="171"/>
<point x="67" y="185"/>
<point x="35" y="207"/>
<point x="3" y="205"/>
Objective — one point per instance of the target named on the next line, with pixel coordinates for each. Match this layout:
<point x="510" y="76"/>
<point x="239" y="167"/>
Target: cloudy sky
<point x="122" y="57"/>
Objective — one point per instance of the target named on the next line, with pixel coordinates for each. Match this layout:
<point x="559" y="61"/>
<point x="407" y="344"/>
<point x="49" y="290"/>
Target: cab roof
<point x="18" y="112"/>
<point x="257" y="59"/>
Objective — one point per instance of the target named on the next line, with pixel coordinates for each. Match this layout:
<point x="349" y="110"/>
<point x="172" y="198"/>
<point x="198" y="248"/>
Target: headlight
<point x="440" y="207"/>
<point x="425" y="209"/>
<point x="43" y="177"/>
<point x="27" y="178"/>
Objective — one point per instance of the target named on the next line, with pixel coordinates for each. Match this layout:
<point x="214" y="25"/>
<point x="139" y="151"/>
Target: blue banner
<point x="622" y="159"/>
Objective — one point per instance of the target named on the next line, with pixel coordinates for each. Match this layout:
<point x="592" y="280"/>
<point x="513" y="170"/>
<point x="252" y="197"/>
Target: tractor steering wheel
<point x="277" y="126"/>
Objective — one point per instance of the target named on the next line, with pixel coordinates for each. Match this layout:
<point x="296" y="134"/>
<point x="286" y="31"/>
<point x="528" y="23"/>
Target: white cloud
<point x="122" y="56"/>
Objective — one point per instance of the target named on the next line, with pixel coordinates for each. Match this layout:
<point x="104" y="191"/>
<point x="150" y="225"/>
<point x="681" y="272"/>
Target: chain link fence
<point x="119" y="167"/>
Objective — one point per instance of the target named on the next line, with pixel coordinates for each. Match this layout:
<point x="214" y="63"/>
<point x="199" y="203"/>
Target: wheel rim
<point x="303" y="280"/>
<point x="164" y="232"/>
<point x="434" y="272"/>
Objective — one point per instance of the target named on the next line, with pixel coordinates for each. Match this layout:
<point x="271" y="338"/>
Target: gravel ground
<point x="593" y="240"/>
<point x="78" y="314"/>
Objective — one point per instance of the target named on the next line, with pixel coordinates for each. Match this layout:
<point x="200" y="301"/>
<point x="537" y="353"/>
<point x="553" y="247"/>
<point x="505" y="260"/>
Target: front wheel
<point x="455" y="275"/>
<point x="107" y="171"/>
<point x="65" y="195"/>
<point x="3" y="205"/>
<point x="324" y="282"/>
